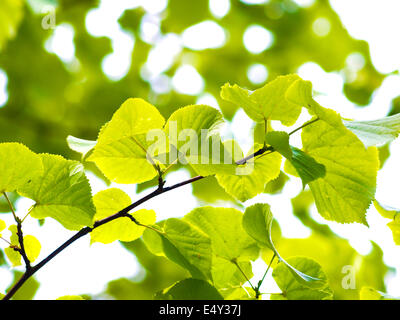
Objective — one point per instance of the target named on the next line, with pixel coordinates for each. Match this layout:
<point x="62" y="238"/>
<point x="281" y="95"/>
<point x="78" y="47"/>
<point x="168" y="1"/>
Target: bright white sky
<point x="87" y="269"/>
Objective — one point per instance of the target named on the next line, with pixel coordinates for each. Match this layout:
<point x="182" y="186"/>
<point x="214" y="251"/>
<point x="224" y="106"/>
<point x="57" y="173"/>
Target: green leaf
<point x="300" y="93"/>
<point x="230" y="243"/>
<point x="276" y="186"/>
<point x="109" y="202"/>
<point x="257" y="221"/>
<point x="18" y="166"/>
<point x="13" y="256"/>
<point x="250" y="178"/>
<point x="121" y="149"/>
<point x="62" y="193"/>
<point x="190" y="289"/>
<point x="2" y="225"/>
<point x="368" y="293"/>
<point x="294" y="290"/>
<point x="229" y="240"/>
<point x="375" y="132"/>
<point x="32" y="247"/>
<point x="70" y="298"/>
<point x="226" y="274"/>
<point x="390" y="213"/>
<point x="266" y="103"/>
<point x="135" y="116"/>
<point x="348" y="187"/>
<point x="14" y="235"/>
<point x="279" y="140"/>
<point x="193" y="133"/>
<point x="307" y="168"/>
<point x="183" y="244"/>
<point x="81" y="145"/>
<point x="28" y="290"/>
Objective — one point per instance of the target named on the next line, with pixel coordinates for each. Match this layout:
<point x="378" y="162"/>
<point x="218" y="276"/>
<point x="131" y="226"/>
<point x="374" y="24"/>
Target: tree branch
<point x="123" y="213"/>
<point x="21" y="248"/>
<point x="30" y="271"/>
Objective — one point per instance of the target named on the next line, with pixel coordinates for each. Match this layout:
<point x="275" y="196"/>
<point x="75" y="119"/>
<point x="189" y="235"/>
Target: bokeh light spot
<point x="188" y="81"/>
<point x="256" y="39"/>
<point x="204" y="35"/>
<point x="61" y="42"/>
<point x="3" y="88"/>
<point x="219" y="8"/>
<point x="321" y="27"/>
<point x="257" y="73"/>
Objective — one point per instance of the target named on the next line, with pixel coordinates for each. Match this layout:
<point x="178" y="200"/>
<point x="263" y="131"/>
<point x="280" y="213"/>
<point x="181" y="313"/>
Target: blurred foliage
<point x="28" y="290"/>
<point x="49" y="99"/>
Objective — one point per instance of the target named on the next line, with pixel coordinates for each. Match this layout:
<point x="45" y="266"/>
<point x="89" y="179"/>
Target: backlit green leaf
<point x="62" y="193"/>
<point x="307" y="168"/>
<point x="18" y="166"/>
<point x="394" y="215"/>
<point x="230" y="243"/>
<point x="279" y="140"/>
<point x="257" y="222"/>
<point x="193" y="134"/>
<point x="109" y="202"/>
<point x="266" y="103"/>
<point x="250" y="178"/>
<point x="190" y="289"/>
<point x="80" y="145"/>
<point x="376" y="132"/>
<point x="294" y="290"/>
<point x="367" y="293"/>
<point x="348" y="187"/>
<point x="183" y="244"/>
<point x="70" y="298"/>
<point x="32" y="247"/>
<point x="229" y="240"/>
<point x="121" y="149"/>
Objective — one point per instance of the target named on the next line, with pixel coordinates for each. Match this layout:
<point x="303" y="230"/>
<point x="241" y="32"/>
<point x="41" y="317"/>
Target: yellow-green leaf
<point x="121" y="149"/>
<point x="109" y="202"/>
<point x="62" y="192"/>
<point x="348" y="187"/>
<point x="32" y="247"/>
<point x="394" y="215"/>
<point x="294" y="290"/>
<point x="250" y="178"/>
<point x="266" y="103"/>
<point x="18" y="166"/>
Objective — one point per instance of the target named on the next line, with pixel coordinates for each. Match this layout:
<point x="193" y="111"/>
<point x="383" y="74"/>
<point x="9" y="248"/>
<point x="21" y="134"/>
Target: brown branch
<point x="20" y="235"/>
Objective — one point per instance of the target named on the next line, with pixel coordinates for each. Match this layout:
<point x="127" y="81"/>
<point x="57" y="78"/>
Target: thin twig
<point x="20" y="235"/>
<point x="244" y="275"/>
<point x="265" y="274"/>
<point x="304" y="125"/>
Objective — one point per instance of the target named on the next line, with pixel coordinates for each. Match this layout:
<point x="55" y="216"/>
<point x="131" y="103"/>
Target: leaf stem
<point x="11" y="207"/>
<point x="244" y="275"/>
<point x="265" y="274"/>
<point x="304" y="125"/>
